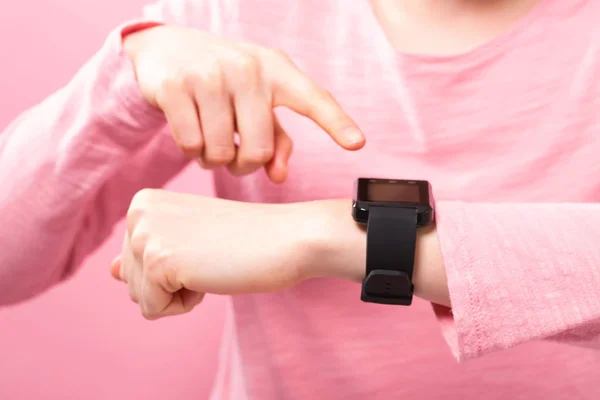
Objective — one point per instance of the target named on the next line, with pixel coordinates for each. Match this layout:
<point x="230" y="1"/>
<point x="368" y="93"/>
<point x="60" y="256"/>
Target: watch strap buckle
<point x="387" y="287"/>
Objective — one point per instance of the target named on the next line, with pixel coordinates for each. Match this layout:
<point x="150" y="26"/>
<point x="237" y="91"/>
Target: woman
<point x="496" y="103"/>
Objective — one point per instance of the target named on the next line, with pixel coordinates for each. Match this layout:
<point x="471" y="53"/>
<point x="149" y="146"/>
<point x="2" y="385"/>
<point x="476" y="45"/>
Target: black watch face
<point x="393" y="191"/>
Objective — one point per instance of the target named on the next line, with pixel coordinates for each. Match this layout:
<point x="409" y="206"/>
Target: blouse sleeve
<point x="70" y="165"/>
<point x="519" y="272"/>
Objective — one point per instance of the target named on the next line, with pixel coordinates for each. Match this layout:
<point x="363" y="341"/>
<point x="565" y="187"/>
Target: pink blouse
<point x="508" y="134"/>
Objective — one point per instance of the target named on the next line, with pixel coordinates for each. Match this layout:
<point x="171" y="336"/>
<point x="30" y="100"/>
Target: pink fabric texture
<point x="508" y="134"/>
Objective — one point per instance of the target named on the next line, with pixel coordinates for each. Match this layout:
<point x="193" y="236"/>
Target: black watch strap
<point x="391" y="241"/>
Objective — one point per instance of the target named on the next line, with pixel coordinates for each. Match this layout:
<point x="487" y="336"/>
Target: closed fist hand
<point x="180" y="246"/>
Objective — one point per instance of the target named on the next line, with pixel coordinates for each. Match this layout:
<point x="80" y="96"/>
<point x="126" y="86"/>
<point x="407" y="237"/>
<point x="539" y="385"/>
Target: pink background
<point x="85" y="339"/>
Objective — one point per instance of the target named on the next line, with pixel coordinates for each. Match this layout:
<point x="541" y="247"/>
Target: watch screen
<point x="403" y="192"/>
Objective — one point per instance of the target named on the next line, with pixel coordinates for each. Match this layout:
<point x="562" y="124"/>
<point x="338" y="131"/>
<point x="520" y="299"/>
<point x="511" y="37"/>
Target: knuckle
<point x="141" y="199"/>
<point x="132" y="295"/>
<point x="258" y="155"/>
<point x="247" y="63"/>
<point x="190" y="150"/>
<point x="138" y="208"/>
<point x="310" y="89"/>
<point x="318" y="93"/>
<point x="170" y="84"/>
<point x="159" y="268"/>
<point x="184" y="79"/>
<point x="154" y="258"/>
<point x="208" y="77"/>
<point x="281" y="55"/>
<point x="191" y="80"/>
<point x="219" y="155"/>
<point x="176" y="79"/>
<point x="287" y="143"/>
<point x="325" y="95"/>
<point x="171" y="277"/>
<point x="138" y="241"/>
<point x="134" y="214"/>
<point x="211" y="70"/>
<point x="150" y="315"/>
<point x="211" y="85"/>
<point x="236" y="170"/>
<point x="167" y="87"/>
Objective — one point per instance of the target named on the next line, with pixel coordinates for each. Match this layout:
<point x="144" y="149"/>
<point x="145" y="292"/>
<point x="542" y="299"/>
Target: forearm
<point x="513" y="272"/>
<point x="57" y="162"/>
<point x="337" y="247"/>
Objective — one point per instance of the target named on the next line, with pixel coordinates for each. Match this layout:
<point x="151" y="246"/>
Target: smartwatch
<point x="392" y="210"/>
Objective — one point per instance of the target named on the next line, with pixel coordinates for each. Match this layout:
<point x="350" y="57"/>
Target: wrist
<point x="334" y="245"/>
<point x="429" y="275"/>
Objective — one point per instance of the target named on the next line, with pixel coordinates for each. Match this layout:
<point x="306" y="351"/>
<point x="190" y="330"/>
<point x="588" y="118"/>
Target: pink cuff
<point x="517" y="273"/>
<point x="138" y="26"/>
<point x="125" y="86"/>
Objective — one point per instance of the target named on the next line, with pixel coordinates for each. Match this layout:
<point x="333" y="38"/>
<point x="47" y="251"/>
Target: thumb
<point x="115" y="268"/>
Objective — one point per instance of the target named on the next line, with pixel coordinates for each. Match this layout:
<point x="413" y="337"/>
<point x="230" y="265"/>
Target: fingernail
<point x="354" y="136"/>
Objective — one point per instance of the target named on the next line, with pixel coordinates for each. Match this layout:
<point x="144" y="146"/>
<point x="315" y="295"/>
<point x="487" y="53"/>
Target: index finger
<point x="294" y="90"/>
